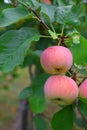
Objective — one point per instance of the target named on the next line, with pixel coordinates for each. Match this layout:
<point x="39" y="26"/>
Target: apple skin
<point x="61" y="90"/>
<point x="47" y="1"/>
<point x="56" y="59"/>
<point x="83" y="89"/>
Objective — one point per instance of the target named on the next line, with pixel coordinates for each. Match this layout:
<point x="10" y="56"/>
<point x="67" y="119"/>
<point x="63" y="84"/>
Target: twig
<point x="45" y="36"/>
<point x="24" y="104"/>
<point x="83" y="117"/>
<point x="35" y="13"/>
<point x="31" y="115"/>
<point x="30" y="72"/>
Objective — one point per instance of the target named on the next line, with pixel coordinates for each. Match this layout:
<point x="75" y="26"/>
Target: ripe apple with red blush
<point x="56" y="59"/>
<point x="61" y="89"/>
<point x="47" y="1"/>
<point x="83" y="89"/>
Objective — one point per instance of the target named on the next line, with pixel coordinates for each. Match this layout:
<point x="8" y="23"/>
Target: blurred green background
<point x="10" y="87"/>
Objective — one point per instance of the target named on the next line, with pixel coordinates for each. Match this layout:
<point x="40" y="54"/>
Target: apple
<point x="61" y="89"/>
<point x="47" y="1"/>
<point x="83" y="89"/>
<point x="56" y="59"/>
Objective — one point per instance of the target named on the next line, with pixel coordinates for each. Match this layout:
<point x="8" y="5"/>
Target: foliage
<point x="8" y="51"/>
<point x="40" y="123"/>
<point x="27" y="27"/>
<point x="63" y="119"/>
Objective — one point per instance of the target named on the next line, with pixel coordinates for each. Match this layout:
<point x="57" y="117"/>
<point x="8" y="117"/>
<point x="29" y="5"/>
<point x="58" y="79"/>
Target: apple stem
<point x="76" y="76"/>
<point x="83" y="117"/>
<point x="62" y="30"/>
<point x="61" y="39"/>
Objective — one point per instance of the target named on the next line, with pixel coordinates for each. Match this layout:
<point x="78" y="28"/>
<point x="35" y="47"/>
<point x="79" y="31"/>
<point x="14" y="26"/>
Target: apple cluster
<point x="61" y="89"/>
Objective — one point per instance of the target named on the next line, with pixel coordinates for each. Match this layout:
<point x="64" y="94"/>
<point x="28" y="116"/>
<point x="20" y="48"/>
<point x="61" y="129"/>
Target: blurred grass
<point x="9" y="98"/>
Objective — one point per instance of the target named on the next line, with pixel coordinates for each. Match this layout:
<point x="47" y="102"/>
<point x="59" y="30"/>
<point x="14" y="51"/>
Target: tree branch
<point x="35" y="13"/>
<point x="22" y="117"/>
<point x="31" y="115"/>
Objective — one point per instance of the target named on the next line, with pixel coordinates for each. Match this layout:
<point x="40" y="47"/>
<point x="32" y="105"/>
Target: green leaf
<point x="82" y="107"/>
<point x="63" y="119"/>
<point x="32" y="3"/>
<point x="83" y="99"/>
<point x="40" y="123"/>
<point x="81" y="123"/>
<point x="14" y="45"/>
<point x="44" y="9"/>
<point x="13" y="15"/>
<point x="33" y="58"/>
<point x="3" y="5"/>
<point x="75" y="37"/>
<point x="68" y="15"/>
<point x="25" y="94"/>
<point x="60" y="2"/>
<point x="48" y="10"/>
<point x="37" y="99"/>
<point x="79" y="51"/>
<point x="53" y="34"/>
<point x="43" y="43"/>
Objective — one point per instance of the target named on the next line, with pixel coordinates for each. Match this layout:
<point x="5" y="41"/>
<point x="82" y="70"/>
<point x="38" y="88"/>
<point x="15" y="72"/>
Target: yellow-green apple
<point x="56" y="59"/>
<point x="47" y="1"/>
<point x="61" y="89"/>
<point x="83" y="89"/>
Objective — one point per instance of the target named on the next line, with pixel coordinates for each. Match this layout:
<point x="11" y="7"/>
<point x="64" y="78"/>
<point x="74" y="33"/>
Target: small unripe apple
<point x="47" y="1"/>
<point x="83" y="89"/>
<point x="61" y="89"/>
<point x="56" y="59"/>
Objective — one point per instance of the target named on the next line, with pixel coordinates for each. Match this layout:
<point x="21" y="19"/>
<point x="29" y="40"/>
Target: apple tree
<point x="49" y="38"/>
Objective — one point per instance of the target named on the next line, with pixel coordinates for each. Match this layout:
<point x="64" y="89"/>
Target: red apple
<point x="47" y="1"/>
<point x="56" y="59"/>
<point x="83" y="89"/>
<point x="61" y="89"/>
